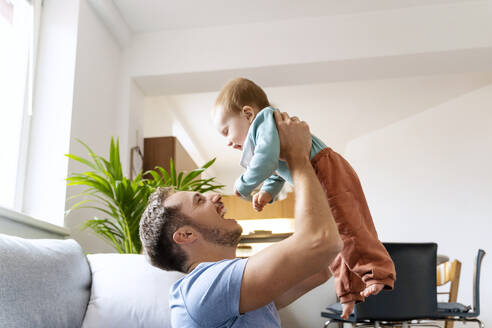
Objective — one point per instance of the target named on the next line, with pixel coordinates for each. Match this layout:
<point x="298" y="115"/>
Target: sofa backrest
<point x="43" y="283"/>
<point x="128" y="292"/>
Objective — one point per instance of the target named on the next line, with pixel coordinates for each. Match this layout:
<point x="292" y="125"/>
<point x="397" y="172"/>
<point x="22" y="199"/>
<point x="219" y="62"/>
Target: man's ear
<point x="184" y="235"/>
<point x="248" y="112"/>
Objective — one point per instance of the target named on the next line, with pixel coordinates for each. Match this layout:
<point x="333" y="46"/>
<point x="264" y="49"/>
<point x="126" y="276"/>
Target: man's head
<point x="179" y="228"/>
<point x="236" y="107"/>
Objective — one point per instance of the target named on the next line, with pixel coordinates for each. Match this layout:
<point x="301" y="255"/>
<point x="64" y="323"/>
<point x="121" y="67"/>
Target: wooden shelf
<point x="240" y="209"/>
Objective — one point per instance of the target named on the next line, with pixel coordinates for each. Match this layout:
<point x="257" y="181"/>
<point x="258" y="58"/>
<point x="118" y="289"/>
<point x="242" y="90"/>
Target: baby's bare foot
<point x="372" y="290"/>
<point x="347" y="309"/>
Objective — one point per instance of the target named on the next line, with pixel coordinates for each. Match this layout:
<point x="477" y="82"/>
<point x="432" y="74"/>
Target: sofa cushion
<point x="128" y="292"/>
<point x="43" y="283"/>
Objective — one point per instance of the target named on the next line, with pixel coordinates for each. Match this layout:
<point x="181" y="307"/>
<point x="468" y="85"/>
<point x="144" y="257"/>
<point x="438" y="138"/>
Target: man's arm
<point x="315" y="242"/>
<point x="302" y="288"/>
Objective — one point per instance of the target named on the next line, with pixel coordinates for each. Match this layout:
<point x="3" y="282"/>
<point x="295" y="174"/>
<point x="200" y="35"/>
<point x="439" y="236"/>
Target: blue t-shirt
<point x="208" y="297"/>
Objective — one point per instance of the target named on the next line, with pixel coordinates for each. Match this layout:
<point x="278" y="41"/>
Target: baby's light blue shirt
<point x="209" y="297"/>
<point x="261" y="151"/>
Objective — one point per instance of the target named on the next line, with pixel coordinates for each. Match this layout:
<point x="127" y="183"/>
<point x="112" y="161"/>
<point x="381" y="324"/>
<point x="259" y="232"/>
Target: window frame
<point x="27" y="108"/>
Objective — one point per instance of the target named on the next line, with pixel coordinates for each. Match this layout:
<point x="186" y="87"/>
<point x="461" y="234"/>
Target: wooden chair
<point x="449" y="272"/>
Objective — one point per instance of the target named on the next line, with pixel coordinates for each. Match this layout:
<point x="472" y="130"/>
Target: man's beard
<point x="219" y="236"/>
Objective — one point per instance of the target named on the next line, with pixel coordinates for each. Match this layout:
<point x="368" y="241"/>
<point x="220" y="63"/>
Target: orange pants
<point x="363" y="260"/>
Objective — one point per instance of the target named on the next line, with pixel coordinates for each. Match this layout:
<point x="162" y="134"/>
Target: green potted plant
<point x="120" y="200"/>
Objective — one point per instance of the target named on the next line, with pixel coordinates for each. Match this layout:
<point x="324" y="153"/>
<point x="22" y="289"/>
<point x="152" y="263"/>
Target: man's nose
<point x="215" y="197"/>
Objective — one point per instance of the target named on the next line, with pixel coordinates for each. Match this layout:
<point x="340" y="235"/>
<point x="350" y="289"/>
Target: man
<point x="187" y="232"/>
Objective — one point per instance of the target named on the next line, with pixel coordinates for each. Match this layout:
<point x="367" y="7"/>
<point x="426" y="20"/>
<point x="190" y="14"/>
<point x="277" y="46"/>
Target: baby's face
<point x="234" y="127"/>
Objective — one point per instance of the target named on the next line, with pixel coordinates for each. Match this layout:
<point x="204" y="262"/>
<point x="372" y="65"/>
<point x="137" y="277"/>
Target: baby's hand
<point x="347" y="309"/>
<point x="237" y="193"/>
<point x="260" y="199"/>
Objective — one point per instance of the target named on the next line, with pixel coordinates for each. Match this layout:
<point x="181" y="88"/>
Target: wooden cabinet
<point x="158" y="151"/>
<point x="240" y="209"/>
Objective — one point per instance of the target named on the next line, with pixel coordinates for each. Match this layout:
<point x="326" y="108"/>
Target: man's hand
<point x="295" y="139"/>
<point x="347" y="309"/>
<point x="372" y="290"/>
<point x="260" y="199"/>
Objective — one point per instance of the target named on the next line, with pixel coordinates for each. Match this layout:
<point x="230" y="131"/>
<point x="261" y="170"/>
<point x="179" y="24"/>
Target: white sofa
<point x="52" y="283"/>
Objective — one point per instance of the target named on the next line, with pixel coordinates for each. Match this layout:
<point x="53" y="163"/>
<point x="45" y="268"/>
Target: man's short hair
<point x="241" y="92"/>
<point x="157" y="226"/>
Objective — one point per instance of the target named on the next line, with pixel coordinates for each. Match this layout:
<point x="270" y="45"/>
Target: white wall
<point x="98" y="113"/>
<point x="306" y="311"/>
<point x="428" y="178"/>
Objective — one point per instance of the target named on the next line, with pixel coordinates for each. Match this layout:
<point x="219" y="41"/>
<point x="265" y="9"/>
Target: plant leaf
<point x="81" y="160"/>
<point x="172" y="170"/>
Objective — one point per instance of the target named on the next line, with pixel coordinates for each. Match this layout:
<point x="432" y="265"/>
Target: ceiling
<point x="157" y="15"/>
<point x="336" y="112"/>
<point x="388" y="67"/>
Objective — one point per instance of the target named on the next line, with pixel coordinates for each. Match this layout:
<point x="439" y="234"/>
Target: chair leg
<point x="448" y="324"/>
<point x="479" y="322"/>
<point x="327" y="323"/>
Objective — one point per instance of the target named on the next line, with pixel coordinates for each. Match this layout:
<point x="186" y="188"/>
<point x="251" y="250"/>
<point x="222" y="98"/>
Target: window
<point x="16" y="76"/>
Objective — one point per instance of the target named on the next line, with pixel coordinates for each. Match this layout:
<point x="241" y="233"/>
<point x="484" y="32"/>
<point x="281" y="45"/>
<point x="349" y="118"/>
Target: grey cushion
<point x="452" y="307"/>
<point x="43" y="283"/>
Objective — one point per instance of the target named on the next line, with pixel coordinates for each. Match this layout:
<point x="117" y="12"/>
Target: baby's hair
<point x="241" y="92"/>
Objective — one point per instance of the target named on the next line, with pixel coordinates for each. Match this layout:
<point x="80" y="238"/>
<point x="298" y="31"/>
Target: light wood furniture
<point x="266" y="230"/>
<point x="441" y="258"/>
<point x="449" y="272"/>
<point x="158" y="151"/>
<point x="240" y="209"/>
<point x="263" y="232"/>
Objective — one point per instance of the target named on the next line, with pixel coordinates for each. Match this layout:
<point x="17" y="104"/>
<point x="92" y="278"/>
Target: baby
<point x="243" y="115"/>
